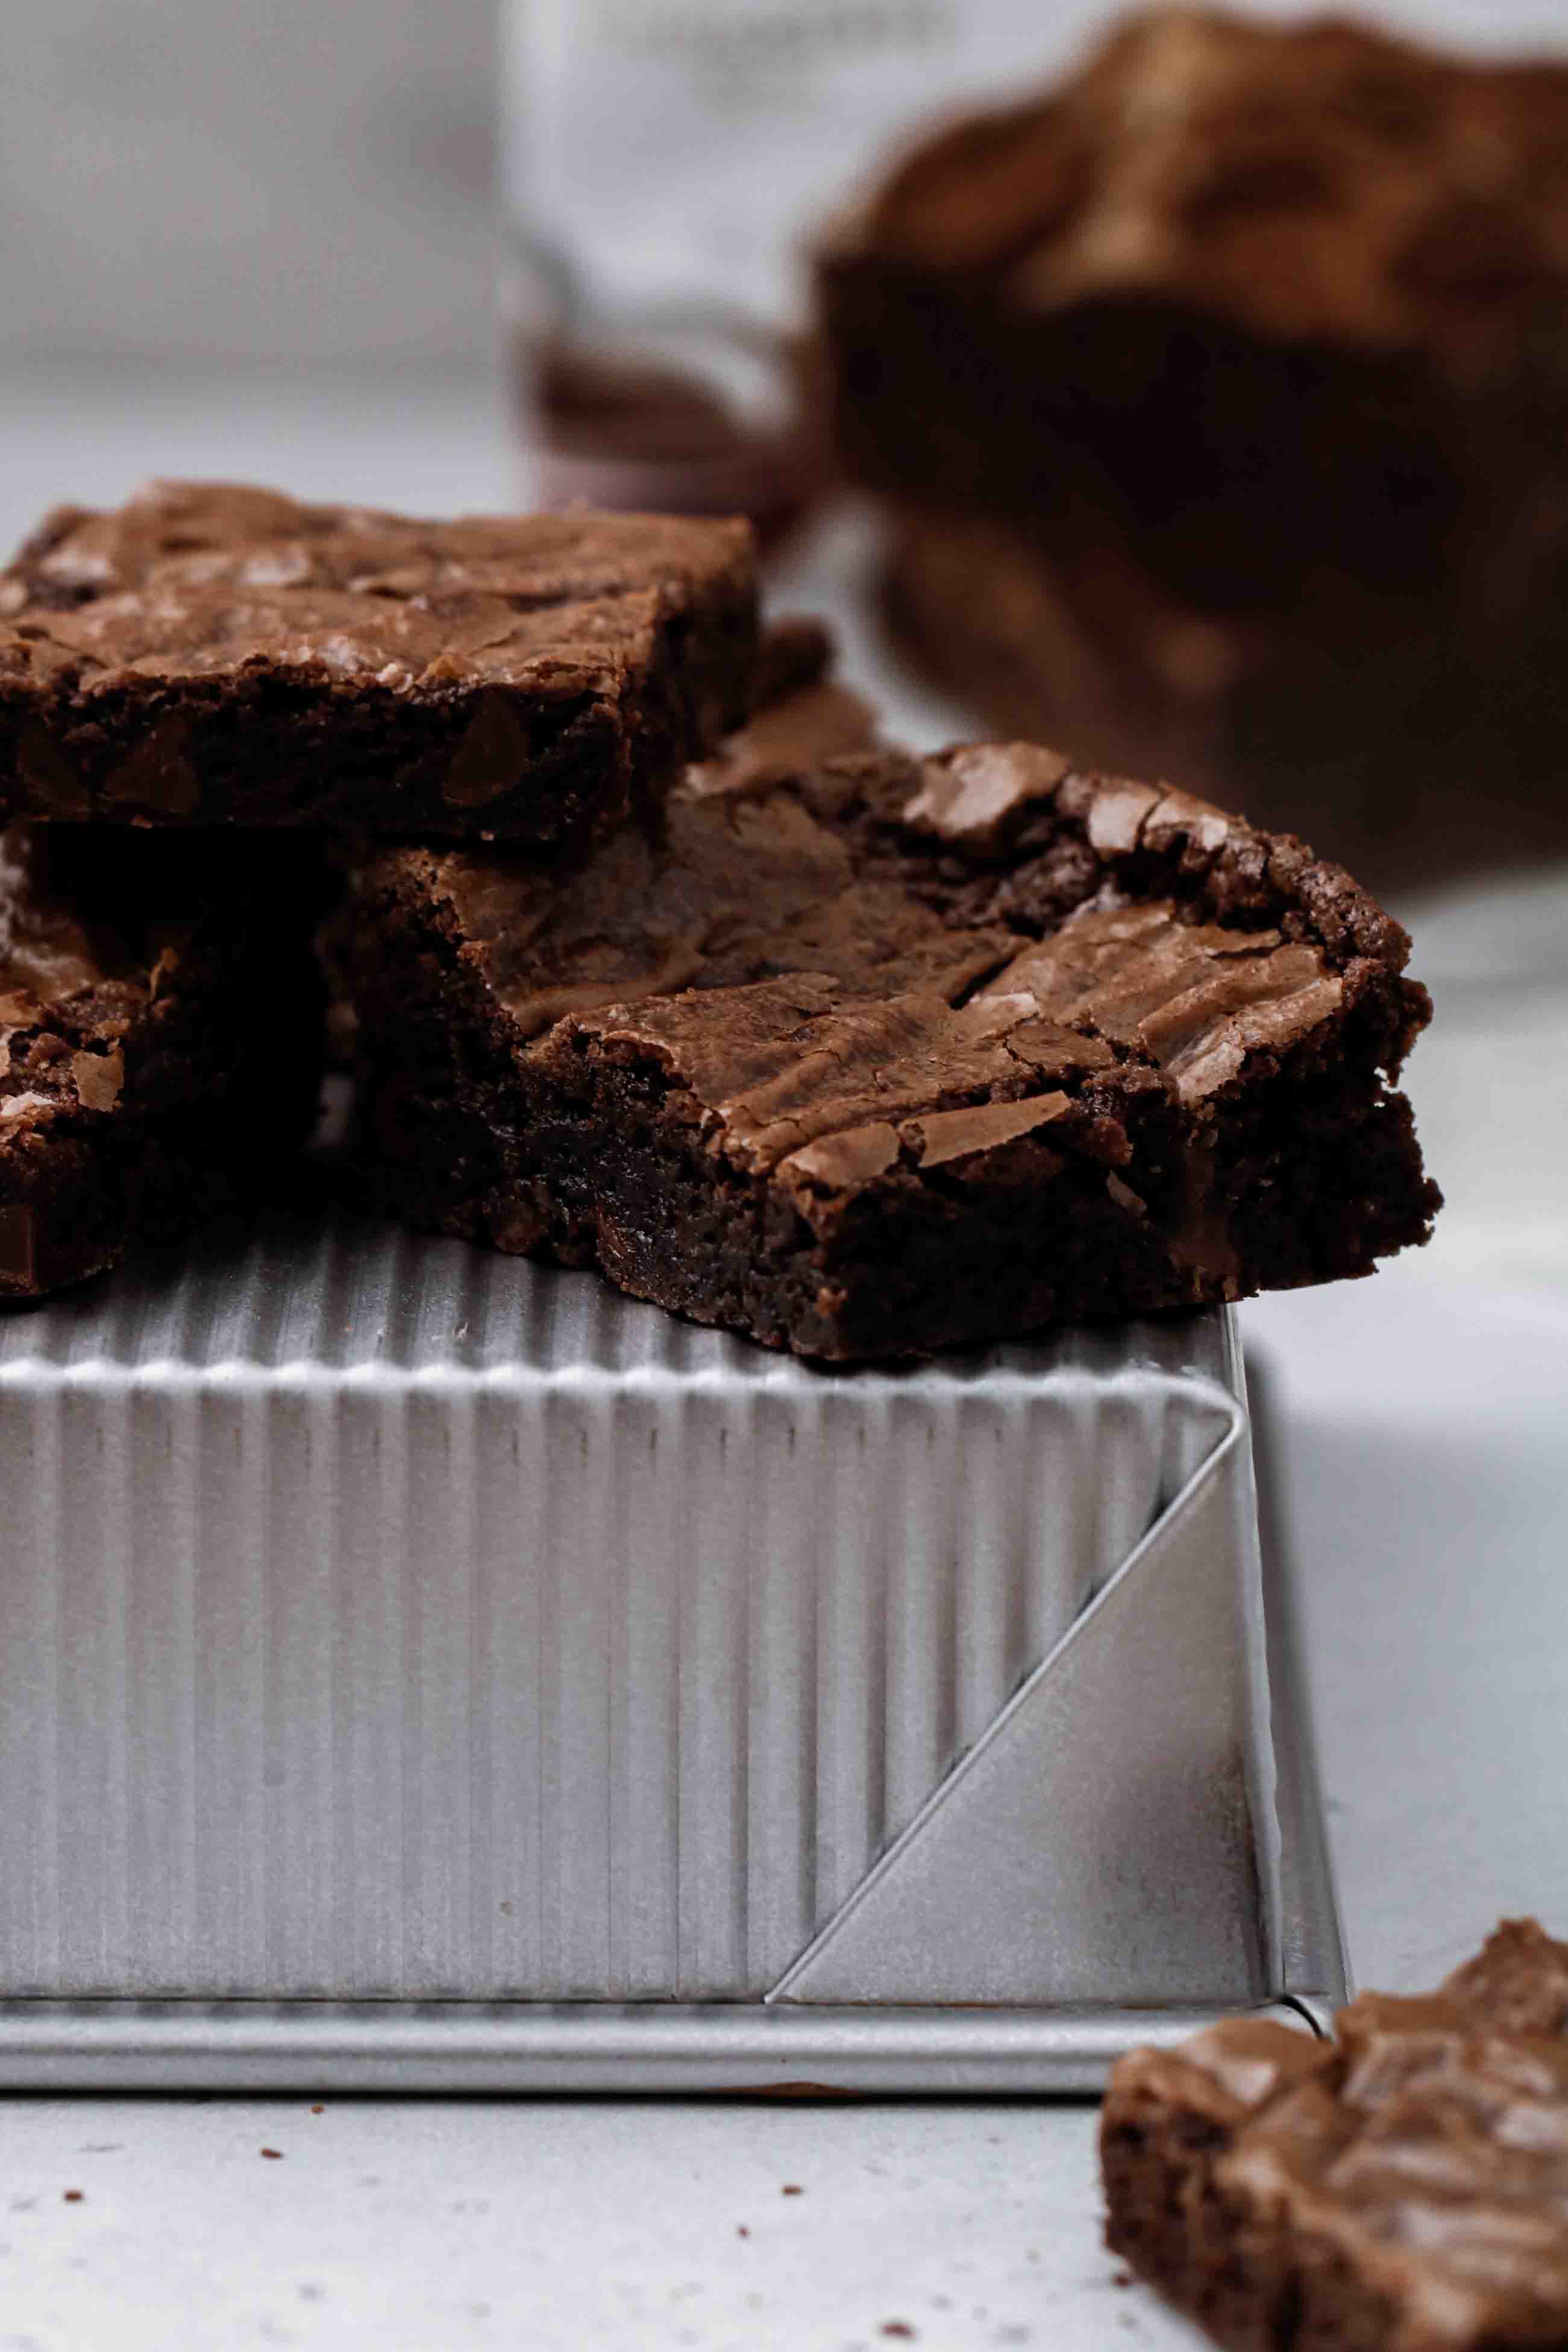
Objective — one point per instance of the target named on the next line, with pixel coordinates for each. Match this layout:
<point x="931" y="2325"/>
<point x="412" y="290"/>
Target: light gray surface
<point x="1428" y="1491"/>
<point x="189" y="181"/>
<point x="455" y="2228"/>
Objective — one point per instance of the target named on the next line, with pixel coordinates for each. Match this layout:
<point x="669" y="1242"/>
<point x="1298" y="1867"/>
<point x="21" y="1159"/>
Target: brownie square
<point x="884" y="1054"/>
<point x="1218" y="395"/>
<point x="1283" y="301"/>
<point x="209" y="654"/>
<point x="160" y="1038"/>
<point x="1403" y="2189"/>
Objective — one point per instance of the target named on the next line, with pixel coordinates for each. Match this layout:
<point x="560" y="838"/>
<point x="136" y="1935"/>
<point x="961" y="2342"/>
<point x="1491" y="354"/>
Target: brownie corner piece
<point x="211" y="653"/>
<point x="870" y="1055"/>
<point x="161" y="1027"/>
<point x="1404" y="2186"/>
<point x="1167" y="2119"/>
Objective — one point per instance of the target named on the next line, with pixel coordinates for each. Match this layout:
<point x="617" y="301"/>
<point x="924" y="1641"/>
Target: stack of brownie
<point x="1216" y="400"/>
<point x="661" y="962"/>
<point x="205" y="697"/>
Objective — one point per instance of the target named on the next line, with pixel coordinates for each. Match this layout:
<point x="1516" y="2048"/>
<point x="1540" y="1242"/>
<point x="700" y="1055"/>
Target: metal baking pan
<point x="425" y="1670"/>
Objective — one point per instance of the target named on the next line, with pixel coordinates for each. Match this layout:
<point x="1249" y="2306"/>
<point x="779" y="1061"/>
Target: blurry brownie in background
<point x="885" y="1055"/>
<point x="160" y="1038"/>
<point x="210" y="653"/>
<point x="1402" y="2189"/>
<point x="1270" y="324"/>
<point x="1412" y="759"/>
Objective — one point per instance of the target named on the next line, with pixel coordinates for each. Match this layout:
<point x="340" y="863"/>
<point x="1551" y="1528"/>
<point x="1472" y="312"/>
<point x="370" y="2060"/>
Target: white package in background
<point x="667" y="152"/>
<point x="665" y="157"/>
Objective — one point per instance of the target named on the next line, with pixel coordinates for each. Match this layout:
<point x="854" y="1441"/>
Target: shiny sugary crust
<point x="889" y="1055"/>
<point x="1401" y="2189"/>
<point x="210" y="653"/>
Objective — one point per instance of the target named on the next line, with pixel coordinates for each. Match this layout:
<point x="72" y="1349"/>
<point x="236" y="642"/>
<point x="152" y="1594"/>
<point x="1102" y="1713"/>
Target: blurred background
<point x="293" y="186"/>
<point x="267" y="243"/>
<point x="299" y="186"/>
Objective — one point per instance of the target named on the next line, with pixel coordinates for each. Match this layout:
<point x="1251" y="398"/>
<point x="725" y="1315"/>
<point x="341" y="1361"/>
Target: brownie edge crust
<point x="1402" y="2189"/>
<point x="889" y="1055"/>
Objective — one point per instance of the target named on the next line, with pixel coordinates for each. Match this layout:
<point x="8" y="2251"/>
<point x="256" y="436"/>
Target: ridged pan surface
<point x="388" y="1620"/>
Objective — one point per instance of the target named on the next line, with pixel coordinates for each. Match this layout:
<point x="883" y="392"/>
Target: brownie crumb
<point x="1407" y="2180"/>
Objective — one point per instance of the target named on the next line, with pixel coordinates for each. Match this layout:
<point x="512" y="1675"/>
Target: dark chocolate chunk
<point x="886" y="1055"/>
<point x="1403" y="2189"/>
<point x="209" y="653"/>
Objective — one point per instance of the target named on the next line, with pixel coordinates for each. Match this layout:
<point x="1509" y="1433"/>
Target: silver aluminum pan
<point x="389" y="1622"/>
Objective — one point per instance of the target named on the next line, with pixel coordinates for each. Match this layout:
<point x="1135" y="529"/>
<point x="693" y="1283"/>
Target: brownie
<point x="209" y="654"/>
<point x="1403" y="2189"/>
<point x="799" y="712"/>
<point x="1416" y="761"/>
<point x="161" y="1030"/>
<point x="1250" y="328"/>
<point x="886" y="1054"/>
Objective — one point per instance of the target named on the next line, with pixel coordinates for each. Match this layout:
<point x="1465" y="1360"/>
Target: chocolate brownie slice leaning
<point x="209" y="653"/>
<point x="160" y="1039"/>
<point x="892" y="1054"/>
<point x="799" y="713"/>
<point x="1403" y="2189"/>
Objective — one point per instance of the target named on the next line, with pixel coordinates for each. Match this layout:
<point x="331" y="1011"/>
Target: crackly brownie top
<point x="1318" y="179"/>
<point x="1429" y="2145"/>
<point x="191" y="581"/>
<point x="800" y="714"/>
<point x="887" y="958"/>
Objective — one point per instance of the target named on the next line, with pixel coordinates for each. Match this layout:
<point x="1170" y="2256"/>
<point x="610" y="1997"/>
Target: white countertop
<point x="1427" y="1494"/>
